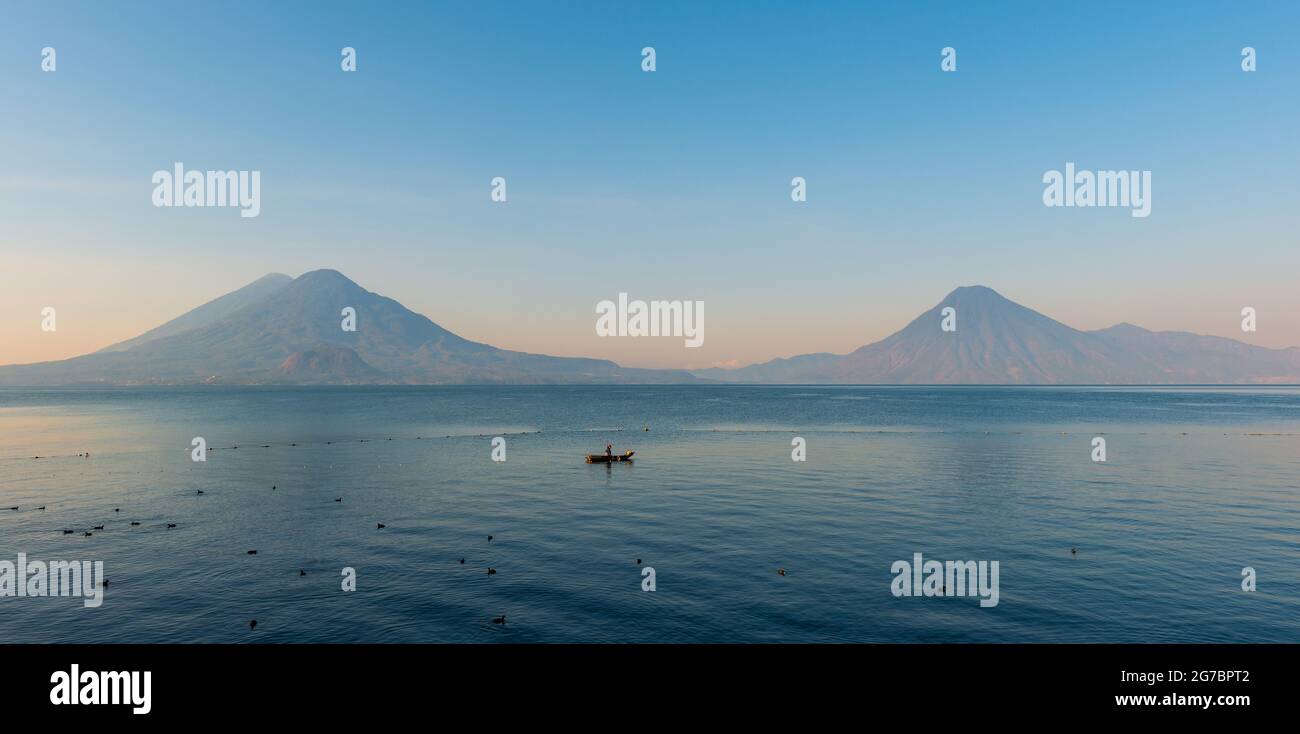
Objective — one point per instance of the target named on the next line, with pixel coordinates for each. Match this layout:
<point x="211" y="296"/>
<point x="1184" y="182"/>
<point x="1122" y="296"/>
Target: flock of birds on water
<point x="252" y="623"/>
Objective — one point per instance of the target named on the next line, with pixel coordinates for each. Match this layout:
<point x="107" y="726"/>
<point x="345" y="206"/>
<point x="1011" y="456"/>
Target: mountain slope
<point x="998" y="341"/>
<point x="1180" y="356"/>
<point x="210" y="312"/>
<point x="294" y="334"/>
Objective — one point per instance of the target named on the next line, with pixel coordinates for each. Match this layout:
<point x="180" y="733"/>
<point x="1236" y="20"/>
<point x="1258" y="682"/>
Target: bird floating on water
<point x="492" y="571"/>
<point x="781" y="571"/>
<point x="252" y="624"/>
<point x="380" y="526"/>
<point x="302" y="572"/>
<point x="252" y="553"/>
<point x="171" y="524"/>
<point x="499" y="620"/>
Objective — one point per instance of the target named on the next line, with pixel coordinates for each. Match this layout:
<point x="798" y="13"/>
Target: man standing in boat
<point x="609" y="451"/>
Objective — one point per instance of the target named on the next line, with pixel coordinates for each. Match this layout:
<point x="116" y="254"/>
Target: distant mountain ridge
<point x="998" y="341"/>
<point x="279" y="330"/>
<point x="282" y="330"/>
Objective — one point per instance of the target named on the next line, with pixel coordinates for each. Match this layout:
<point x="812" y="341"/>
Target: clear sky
<point x="666" y="185"/>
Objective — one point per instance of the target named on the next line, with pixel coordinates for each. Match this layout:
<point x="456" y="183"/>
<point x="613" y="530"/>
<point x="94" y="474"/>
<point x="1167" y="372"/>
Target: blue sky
<point x="666" y="185"/>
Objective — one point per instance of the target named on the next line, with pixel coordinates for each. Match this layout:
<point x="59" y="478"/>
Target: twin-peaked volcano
<point x="281" y="330"/>
<point x="999" y="342"/>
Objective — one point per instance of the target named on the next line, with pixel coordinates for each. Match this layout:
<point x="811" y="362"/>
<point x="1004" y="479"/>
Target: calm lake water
<point x="1198" y="484"/>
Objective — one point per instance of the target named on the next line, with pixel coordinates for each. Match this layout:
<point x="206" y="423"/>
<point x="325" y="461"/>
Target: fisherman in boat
<point x="609" y="456"/>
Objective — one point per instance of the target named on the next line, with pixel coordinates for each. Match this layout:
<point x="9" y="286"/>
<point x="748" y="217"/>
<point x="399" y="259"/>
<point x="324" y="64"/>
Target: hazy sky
<point x="666" y="185"/>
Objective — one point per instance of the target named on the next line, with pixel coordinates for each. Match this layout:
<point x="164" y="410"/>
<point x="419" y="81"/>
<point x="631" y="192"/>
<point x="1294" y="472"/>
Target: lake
<point x="1198" y="483"/>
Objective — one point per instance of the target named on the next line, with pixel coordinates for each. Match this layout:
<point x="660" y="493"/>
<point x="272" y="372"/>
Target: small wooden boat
<point x="603" y="459"/>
